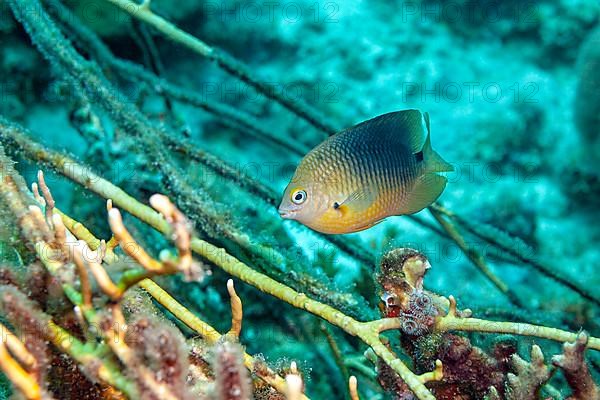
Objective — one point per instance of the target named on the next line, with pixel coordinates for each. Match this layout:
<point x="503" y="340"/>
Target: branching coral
<point x="573" y="364"/>
<point x="367" y="331"/>
<point x="150" y="350"/>
<point x="529" y="377"/>
<point x="404" y="297"/>
<point x="468" y="371"/>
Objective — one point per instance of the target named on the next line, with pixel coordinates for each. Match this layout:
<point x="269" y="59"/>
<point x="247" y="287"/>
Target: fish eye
<point x="299" y="196"/>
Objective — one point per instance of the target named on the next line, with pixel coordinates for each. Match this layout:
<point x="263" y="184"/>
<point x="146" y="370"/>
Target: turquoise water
<point x="512" y="91"/>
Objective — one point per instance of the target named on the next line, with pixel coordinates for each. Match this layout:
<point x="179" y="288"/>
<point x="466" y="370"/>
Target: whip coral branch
<point x="151" y="267"/>
<point x="86" y="289"/>
<point x="452" y="321"/>
<point x="129" y="245"/>
<point x="16" y="348"/>
<point x="335" y="349"/>
<point x="24" y="382"/>
<point x="81" y="232"/>
<point x="476" y="258"/>
<point x="225" y="61"/>
<point x="49" y="200"/>
<point x="436" y="375"/>
<point x="511" y="246"/>
<point x="367" y="331"/>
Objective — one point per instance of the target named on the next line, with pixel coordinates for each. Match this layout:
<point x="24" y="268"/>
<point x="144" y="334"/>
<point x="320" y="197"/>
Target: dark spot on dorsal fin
<point x="336" y="205"/>
<point x="419" y="156"/>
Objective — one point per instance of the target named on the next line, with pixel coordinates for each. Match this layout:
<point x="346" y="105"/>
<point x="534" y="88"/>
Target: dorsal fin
<point x="406" y="127"/>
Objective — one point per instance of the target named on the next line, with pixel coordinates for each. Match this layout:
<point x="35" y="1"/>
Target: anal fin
<point x="366" y="226"/>
<point x="426" y="190"/>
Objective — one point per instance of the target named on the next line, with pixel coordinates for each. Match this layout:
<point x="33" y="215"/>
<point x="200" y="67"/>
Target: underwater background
<point x="513" y="93"/>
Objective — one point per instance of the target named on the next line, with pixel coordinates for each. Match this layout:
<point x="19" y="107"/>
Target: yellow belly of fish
<point x="347" y="221"/>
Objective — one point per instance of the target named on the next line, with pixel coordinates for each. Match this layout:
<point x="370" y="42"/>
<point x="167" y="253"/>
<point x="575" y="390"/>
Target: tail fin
<point x="433" y="161"/>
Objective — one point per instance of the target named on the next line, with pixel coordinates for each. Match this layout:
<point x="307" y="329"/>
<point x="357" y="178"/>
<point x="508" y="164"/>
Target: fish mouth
<point x="286" y="214"/>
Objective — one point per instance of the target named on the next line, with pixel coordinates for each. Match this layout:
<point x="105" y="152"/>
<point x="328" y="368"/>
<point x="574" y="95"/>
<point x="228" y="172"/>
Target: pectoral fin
<point x="358" y="201"/>
<point x="426" y="190"/>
